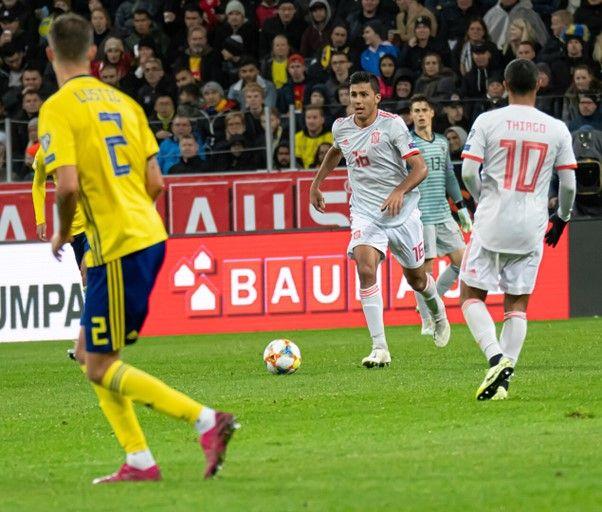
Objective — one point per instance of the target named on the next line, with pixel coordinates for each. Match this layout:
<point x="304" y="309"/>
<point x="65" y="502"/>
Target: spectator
<point x="178" y="33"/>
<point x="314" y="134"/>
<point x="505" y="12"/>
<point x="279" y="133"/>
<point x="30" y="109"/>
<point x="453" y="115"/>
<point x="237" y="23"/>
<point x="248" y="72"/>
<point x="101" y="23"/>
<point x="386" y="79"/>
<point x="183" y="76"/>
<point x="435" y="81"/>
<point x="282" y="157"/>
<point x="126" y="12"/>
<point x="409" y="12"/>
<point x="495" y="98"/>
<point x="232" y="53"/>
<point x="189" y="101"/>
<point x="526" y="50"/>
<point x="583" y="81"/>
<point x="370" y="10"/>
<point x="239" y="157"/>
<point x="265" y="10"/>
<point x="320" y="154"/>
<point x="474" y="83"/>
<point x="143" y="27"/>
<point x="340" y="67"/>
<point x="403" y="87"/>
<point x="190" y="162"/>
<point x="254" y="97"/>
<point x="456" y="18"/>
<point x="342" y="101"/>
<point x="555" y="47"/>
<point x="204" y="62"/>
<point x="169" y="149"/>
<point x="297" y="90"/>
<point x="234" y="124"/>
<point x="31" y="80"/>
<point x="320" y="70"/>
<point x="317" y="34"/>
<point x="285" y="22"/>
<point x="421" y="44"/>
<point x="589" y="112"/>
<point x="110" y="76"/>
<point x="273" y="68"/>
<point x="590" y="13"/>
<point x="547" y="96"/>
<point x="12" y="32"/>
<point x="155" y="82"/>
<point x="162" y="116"/>
<point x="376" y="48"/>
<point x="577" y="37"/>
<point x="519" y="31"/>
<point x="476" y="34"/>
<point x="13" y="65"/>
<point x="456" y="136"/>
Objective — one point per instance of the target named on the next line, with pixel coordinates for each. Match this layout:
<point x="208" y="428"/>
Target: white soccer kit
<point x="519" y="147"/>
<point x="375" y="164"/>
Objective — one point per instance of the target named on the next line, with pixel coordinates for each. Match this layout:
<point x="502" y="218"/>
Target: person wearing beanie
<point x="317" y="33"/>
<point x="236" y="22"/>
<point x="409" y="11"/>
<point x="375" y="48"/>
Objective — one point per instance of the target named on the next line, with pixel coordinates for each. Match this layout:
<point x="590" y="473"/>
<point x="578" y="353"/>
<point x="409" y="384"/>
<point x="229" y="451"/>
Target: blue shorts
<point x="80" y="247"/>
<point x="117" y="298"/>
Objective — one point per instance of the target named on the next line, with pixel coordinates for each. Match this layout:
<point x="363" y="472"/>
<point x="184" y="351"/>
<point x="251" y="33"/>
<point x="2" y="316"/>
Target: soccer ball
<point x="282" y="356"/>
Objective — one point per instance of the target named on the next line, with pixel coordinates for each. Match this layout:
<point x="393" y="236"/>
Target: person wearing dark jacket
<point x="423" y="43"/>
<point x="204" y="62"/>
<point x="239" y="158"/>
<point x="287" y="21"/>
<point x="237" y="23"/>
<point x="317" y="34"/>
<point x="474" y="83"/>
<point x="190" y="162"/>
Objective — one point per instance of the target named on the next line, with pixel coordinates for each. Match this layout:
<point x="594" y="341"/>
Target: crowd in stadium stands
<point x="205" y="70"/>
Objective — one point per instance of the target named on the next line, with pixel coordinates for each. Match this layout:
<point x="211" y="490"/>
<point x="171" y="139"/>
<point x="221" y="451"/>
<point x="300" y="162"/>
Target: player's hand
<point x="57" y="243"/>
<point x="555" y="232"/>
<point x="41" y="232"/>
<point x="465" y="220"/>
<point x="317" y="199"/>
<point x="393" y="203"/>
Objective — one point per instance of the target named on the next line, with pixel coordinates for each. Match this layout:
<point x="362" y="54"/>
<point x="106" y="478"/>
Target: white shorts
<point x="442" y="239"/>
<point x="405" y="241"/>
<point x="514" y="274"/>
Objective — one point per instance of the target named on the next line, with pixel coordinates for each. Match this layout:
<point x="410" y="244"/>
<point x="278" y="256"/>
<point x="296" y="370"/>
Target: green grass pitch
<point x="332" y="437"/>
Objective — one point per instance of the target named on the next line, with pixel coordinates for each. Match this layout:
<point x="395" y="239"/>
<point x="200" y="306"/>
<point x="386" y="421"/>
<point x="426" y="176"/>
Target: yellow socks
<point x="119" y="411"/>
<point x="143" y="388"/>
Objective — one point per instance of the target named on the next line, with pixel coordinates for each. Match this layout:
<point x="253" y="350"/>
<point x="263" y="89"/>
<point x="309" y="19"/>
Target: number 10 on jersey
<point x="523" y="168"/>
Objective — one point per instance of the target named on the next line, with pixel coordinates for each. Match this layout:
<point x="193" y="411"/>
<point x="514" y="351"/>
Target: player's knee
<point x="367" y="274"/>
<point x="417" y="281"/>
<point x="95" y="373"/>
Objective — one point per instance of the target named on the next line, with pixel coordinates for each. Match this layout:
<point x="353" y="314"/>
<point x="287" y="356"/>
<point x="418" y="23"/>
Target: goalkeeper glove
<point x="555" y="232"/>
<point x="465" y="220"/>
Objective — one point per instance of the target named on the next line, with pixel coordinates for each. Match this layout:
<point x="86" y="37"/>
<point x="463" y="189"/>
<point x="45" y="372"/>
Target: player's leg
<point x="407" y="245"/>
<point x="80" y="246"/>
<point x="451" y="243"/>
<point x="430" y="253"/>
<point x="367" y="247"/>
<point x="514" y="329"/>
<point x="450" y="275"/>
<point x="128" y="284"/>
<point x="478" y="274"/>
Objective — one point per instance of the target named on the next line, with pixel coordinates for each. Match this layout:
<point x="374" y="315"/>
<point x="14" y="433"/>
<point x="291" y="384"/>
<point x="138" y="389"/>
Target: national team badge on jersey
<point x="345" y="142"/>
<point x="375" y="137"/>
<point x="45" y="141"/>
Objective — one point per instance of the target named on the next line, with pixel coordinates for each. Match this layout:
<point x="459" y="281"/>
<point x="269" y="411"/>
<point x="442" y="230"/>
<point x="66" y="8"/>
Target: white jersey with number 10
<point x="375" y="163"/>
<point x="519" y="146"/>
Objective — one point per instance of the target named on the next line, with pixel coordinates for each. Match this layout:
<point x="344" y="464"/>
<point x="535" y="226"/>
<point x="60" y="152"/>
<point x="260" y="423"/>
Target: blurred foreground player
<point x="103" y="152"/>
<point x="519" y="148"/>
<point x="384" y="170"/>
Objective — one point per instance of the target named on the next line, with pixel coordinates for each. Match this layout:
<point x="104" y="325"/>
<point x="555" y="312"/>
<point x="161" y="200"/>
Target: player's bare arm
<point x="154" y="178"/>
<point x="331" y="160"/>
<point x="67" y="189"/>
<point x="418" y="173"/>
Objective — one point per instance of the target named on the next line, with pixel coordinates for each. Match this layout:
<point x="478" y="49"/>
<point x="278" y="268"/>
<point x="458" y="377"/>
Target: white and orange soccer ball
<point x="282" y="357"/>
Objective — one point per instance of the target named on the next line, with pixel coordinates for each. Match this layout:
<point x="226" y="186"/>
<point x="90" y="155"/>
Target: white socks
<point x="432" y="299"/>
<point x="481" y="327"/>
<point x="513" y="334"/>
<point x="372" y="304"/>
<point x="447" y="279"/>
<point x="140" y="460"/>
<point x="423" y="309"/>
<point x="206" y="420"/>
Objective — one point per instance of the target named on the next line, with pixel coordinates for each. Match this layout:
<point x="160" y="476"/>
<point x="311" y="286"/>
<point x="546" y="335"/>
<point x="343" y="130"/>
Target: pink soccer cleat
<point x="128" y="473"/>
<point x="215" y="441"/>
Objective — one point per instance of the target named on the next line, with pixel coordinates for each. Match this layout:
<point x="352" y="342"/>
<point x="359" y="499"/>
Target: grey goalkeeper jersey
<point x="375" y="164"/>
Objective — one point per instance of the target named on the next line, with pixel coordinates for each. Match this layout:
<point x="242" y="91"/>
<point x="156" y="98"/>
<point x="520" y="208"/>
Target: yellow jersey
<point x="105" y="134"/>
<point x="38" y="194"/>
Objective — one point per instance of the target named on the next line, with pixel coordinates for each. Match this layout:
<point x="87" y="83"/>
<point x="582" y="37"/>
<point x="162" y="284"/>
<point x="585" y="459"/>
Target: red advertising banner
<point x="198" y="207"/>
<point x="288" y="281"/>
<point x="17" y="218"/>
<point x="262" y="204"/>
<point x="336" y="196"/>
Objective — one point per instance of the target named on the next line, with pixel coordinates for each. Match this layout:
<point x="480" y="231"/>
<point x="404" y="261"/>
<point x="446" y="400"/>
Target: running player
<point x="519" y="148"/>
<point x="442" y="236"/>
<point x="98" y="142"/>
<point x="384" y="169"/>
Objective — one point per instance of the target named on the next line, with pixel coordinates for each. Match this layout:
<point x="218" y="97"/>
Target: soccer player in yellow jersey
<point x="97" y="141"/>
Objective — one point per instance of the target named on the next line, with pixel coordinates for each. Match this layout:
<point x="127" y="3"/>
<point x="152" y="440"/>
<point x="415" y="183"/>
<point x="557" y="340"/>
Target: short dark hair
<point x="247" y="60"/>
<point x="191" y="89"/>
<point x="143" y="12"/>
<point x="419" y="98"/>
<point x="528" y="43"/>
<point x="363" y="77"/>
<point x="70" y="37"/>
<point x="521" y="76"/>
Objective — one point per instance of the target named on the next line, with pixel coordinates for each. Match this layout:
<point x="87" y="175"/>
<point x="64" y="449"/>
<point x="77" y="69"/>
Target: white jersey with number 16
<point x="375" y="164"/>
<point x="519" y="146"/>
